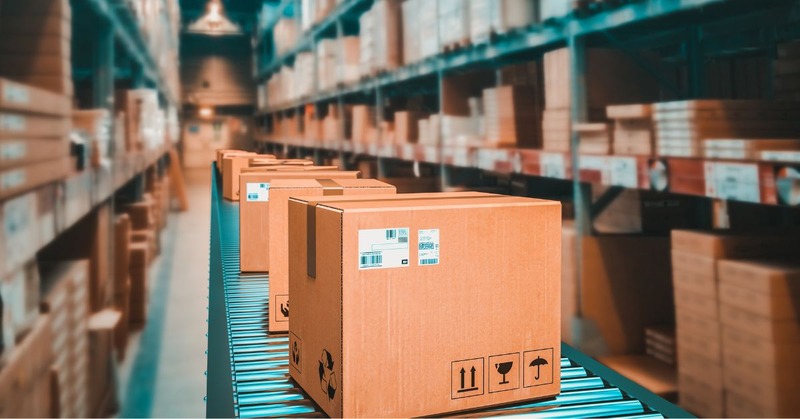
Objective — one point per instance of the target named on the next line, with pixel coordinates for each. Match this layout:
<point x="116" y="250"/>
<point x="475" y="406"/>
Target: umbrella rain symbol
<point x="538" y="362"/>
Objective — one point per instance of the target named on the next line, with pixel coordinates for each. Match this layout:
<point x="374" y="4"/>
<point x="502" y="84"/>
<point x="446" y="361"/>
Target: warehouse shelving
<point x="248" y="367"/>
<point x="686" y="31"/>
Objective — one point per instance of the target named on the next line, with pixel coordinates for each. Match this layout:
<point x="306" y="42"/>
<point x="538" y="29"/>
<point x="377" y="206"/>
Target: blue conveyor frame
<point x="248" y="368"/>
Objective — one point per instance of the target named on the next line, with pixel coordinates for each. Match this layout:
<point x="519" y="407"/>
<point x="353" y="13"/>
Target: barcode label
<point x="16" y="94"/>
<point x="257" y="192"/>
<point x="12" y="123"/>
<point x="428" y="246"/>
<point x="13" y="151"/>
<point x="383" y="248"/>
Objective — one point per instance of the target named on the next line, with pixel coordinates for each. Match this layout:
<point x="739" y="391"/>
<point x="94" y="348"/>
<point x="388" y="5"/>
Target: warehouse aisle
<point x="164" y="376"/>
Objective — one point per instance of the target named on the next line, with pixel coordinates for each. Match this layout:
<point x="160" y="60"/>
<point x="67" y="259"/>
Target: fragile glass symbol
<point x="504" y="368"/>
<point x="472" y="386"/>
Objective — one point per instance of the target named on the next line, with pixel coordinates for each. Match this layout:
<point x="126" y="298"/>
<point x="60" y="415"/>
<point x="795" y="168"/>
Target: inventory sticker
<point x="12" y="123"/>
<point x="257" y="192"/>
<point x="16" y="94"/>
<point x="383" y="248"/>
<point x="429" y="247"/>
<point x="13" y="151"/>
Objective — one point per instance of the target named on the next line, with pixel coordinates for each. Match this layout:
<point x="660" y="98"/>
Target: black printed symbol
<point x="471" y="380"/>
<point x="538" y="362"/>
<point x="504" y="368"/>
<point x="295" y="354"/>
<point x="282" y="302"/>
<point x="537" y="367"/>
<point x="327" y="378"/>
<point x="466" y="378"/>
<point x="404" y="262"/>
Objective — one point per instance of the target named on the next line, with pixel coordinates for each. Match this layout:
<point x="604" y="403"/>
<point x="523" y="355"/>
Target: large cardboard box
<point x="22" y="98"/>
<point x="20" y="179"/>
<point x="280" y="191"/>
<point x="24" y="369"/>
<point x="102" y="328"/>
<point x="394" y="282"/>
<point x="15" y="125"/>
<point x="767" y="288"/>
<point x="16" y="153"/>
<point x="139" y="278"/>
<point x="254" y="226"/>
<point x="234" y="165"/>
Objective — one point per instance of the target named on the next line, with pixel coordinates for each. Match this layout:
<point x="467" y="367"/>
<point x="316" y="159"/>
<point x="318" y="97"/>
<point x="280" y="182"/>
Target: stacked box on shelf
<point x="411" y="31"/>
<point x="138" y="268"/>
<point x="428" y="27"/>
<point x="122" y="283"/>
<point x="594" y="138"/>
<point x="20" y="294"/>
<point x="697" y="307"/>
<point x="489" y="17"/>
<point x="682" y="127"/>
<point x="760" y="337"/>
<point x="659" y="342"/>
<point x="367" y="43"/>
<point x="285" y="35"/>
<point x="388" y="39"/>
<point x="347" y="68"/>
<point x="327" y="60"/>
<point x="750" y="148"/>
<point x="34" y="137"/>
<point x="35" y="44"/>
<point x="454" y="22"/>
<point x="614" y="79"/>
<point x="363" y="123"/>
<point x="303" y="75"/>
<point x="555" y="9"/>
<point x="66" y="294"/>
<point x="141" y="119"/>
<point x="633" y="129"/>
<point x="25" y="389"/>
<point x="102" y="329"/>
<point x="95" y="125"/>
<point x="511" y="117"/>
<point x="406" y="125"/>
<point x="314" y="11"/>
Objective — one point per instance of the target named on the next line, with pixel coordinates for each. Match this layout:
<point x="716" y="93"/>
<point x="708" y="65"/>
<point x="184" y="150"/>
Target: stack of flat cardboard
<point x="633" y="129"/>
<point x="659" y="342"/>
<point x="511" y="117"/>
<point x="594" y="138"/>
<point x="697" y="309"/>
<point x="35" y="44"/>
<point x="682" y="127"/>
<point x="66" y="300"/>
<point x="760" y="309"/>
<point x="34" y="137"/>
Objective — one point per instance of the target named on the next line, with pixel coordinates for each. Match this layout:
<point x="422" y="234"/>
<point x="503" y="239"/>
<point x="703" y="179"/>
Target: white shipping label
<point x="735" y="181"/>
<point x="13" y="151"/>
<point x="623" y="172"/>
<point x="383" y="248"/>
<point x="552" y="165"/>
<point x="16" y="94"/>
<point x="428" y="247"/>
<point x="12" y="179"/>
<point x="257" y="192"/>
<point x="12" y="123"/>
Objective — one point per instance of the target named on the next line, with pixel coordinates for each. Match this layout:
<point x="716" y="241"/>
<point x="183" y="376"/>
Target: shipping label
<point x="257" y="192"/>
<point x="16" y="94"/>
<point x="428" y="247"/>
<point x="12" y="123"/>
<point x="13" y="151"/>
<point x="12" y="179"/>
<point x="383" y="248"/>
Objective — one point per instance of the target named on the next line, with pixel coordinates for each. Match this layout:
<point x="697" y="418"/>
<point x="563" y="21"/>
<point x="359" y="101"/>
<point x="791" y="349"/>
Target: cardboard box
<point x="765" y="287"/>
<point x="20" y="295"/>
<point x="254" y="226"/>
<point x="23" y="371"/>
<point x="784" y="355"/>
<point x="725" y="244"/>
<point x="363" y="275"/>
<point x="102" y="329"/>
<point x="16" y="153"/>
<point x="778" y="331"/>
<point x="234" y="165"/>
<point x="15" y="125"/>
<point x="24" y="178"/>
<point x="29" y="99"/>
<point x="140" y="215"/>
<point x="279" y="193"/>
<point x="139" y="278"/>
<point x="700" y="398"/>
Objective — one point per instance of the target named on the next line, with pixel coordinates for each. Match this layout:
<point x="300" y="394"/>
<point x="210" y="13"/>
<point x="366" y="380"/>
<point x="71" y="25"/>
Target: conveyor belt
<point x="259" y="373"/>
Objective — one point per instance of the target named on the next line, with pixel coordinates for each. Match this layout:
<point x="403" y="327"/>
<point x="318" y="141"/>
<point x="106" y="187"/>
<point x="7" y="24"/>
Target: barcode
<point x="391" y="234"/>
<point x="371" y="260"/>
<point x="429" y="261"/>
<point x="252" y="196"/>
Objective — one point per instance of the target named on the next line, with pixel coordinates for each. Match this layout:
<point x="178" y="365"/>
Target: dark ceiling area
<point x="243" y="12"/>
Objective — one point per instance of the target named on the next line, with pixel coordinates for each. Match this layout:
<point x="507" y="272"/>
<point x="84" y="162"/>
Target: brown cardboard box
<point x="102" y="328"/>
<point x="15" y="125"/>
<point x="288" y="168"/>
<point x="15" y="153"/>
<point x="139" y="272"/>
<point x="364" y="276"/>
<point x="39" y="64"/>
<point x="140" y="214"/>
<point x="696" y="304"/>
<point x="254" y="231"/>
<point x="23" y="371"/>
<point x="778" y="331"/>
<point x="695" y="273"/>
<point x="222" y="152"/>
<point x="765" y="288"/>
<point x="23" y="98"/>
<point x="279" y="193"/>
<point x="406" y="126"/>
<point x="734" y="245"/>
<point x="414" y="185"/>
<point x="20" y="179"/>
<point x="701" y="398"/>
<point x="785" y="355"/>
<point x="234" y="165"/>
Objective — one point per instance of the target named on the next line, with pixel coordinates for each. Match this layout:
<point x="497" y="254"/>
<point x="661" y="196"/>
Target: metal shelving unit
<point x="248" y="367"/>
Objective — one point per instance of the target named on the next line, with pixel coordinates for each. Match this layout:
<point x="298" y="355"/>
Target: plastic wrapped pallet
<point x="453" y="23"/>
<point x="286" y="35"/>
<point x="498" y="16"/>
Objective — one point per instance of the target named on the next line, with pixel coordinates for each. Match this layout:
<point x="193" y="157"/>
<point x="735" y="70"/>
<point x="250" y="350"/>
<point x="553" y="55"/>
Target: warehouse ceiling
<point x="241" y="12"/>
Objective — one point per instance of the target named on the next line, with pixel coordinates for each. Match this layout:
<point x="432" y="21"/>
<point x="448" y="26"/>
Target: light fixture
<point x="206" y="112"/>
<point x="214" y="22"/>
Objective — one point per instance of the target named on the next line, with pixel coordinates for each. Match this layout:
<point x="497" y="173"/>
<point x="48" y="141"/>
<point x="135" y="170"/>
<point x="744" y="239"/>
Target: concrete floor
<point x="163" y="373"/>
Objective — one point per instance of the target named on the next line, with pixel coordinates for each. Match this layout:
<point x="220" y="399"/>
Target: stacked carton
<point x="406" y="124"/>
<point x="489" y="17"/>
<point x="411" y="31"/>
<point x="138" y="269"/>
<point x="314" y="11"/>
<point x="65" y="298"/>
<point x="594" y="138"/>
<point x="286" y="34"/>
<point x="454" y="22"/>
<point x="102" y="328"/>
<point x="633" y="129"/>
<point x="683" y="127"/>
<point x="144" y="122"/>
<point x="511" y="116"/>
<point x="95" y="125"/>
<point x="428" y="27"/>
<point x="35" y="44"/>
<point x="363" y="123"/>
<point x="698" y="313"/>
<point x="25" y="388"/>
<point x="20" y="294"/>
<point x="34" y="137"/>
<point x="760" y="337"/>
<point x="659" y="342"/>
<point x="303" y="75"/>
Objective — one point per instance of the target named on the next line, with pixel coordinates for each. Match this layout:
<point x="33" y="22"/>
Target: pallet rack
<point x="248" y="367"/>
<point x="690" y="30"/>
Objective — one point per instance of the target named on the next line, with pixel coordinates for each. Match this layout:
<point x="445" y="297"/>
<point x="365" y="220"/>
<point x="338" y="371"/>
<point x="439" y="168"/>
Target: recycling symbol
<point x="327" y="378"/>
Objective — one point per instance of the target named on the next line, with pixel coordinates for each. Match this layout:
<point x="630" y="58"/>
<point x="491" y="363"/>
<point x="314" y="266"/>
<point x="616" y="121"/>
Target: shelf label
<point x="552" y="165"/>
<point x="622" y="172"/>
<point x="735" y="181"/>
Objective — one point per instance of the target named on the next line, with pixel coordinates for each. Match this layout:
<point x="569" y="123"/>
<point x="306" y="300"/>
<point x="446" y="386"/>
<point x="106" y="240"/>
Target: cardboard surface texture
<point x="391" y="283"/>
<point x="254" y="226"/>
<point x="280" y="192"/>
